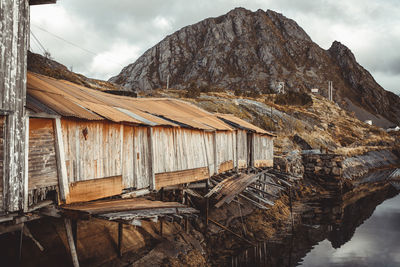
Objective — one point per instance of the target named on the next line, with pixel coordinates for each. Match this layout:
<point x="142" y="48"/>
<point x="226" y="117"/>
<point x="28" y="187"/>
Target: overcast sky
<point x="98" y="38"/>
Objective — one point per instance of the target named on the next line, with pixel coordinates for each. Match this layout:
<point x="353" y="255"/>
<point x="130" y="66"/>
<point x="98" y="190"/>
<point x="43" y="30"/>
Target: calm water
<point x="375" y="243"/>
<point x="363" y="232"/>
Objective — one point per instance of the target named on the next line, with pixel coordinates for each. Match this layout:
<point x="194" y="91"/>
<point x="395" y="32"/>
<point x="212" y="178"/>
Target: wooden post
<point x="162" y="194"/>
<point x="152" y="159"/>
<point x="61" y="167"/>
<point x="237" y="151"/>
<point x="215" y="153"/>
<point x="120" y="235"/>
<point x="71" y="242"/>
<point x="26" y="175"/>
<point x="21" y="236"/>
<point x="74" y="226"/>
<point x="207" y="203"/>
<point x="14" y="41"/>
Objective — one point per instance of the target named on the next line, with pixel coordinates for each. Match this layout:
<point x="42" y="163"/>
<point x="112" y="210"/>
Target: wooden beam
<point x="71" y="242"/>
<point x="61" y="166"/>
<point x="181" y="177"/>
<point x="41" y="2"/>
<point x="21" y="237"/>
<point x="43" y="115"/>
<point x="153" y="184"/>
<point x="26" y="175"/>
<point x="74" y="226"/>
<point x="10" y="228"/>
<point x="93" y="189"/>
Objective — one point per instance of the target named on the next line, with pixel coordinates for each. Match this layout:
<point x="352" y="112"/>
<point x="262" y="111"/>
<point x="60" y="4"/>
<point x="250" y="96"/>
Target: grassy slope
<point x="321" y="123"/>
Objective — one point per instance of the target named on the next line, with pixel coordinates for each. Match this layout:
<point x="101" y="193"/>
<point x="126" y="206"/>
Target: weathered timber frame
<point x="13" y="50"/>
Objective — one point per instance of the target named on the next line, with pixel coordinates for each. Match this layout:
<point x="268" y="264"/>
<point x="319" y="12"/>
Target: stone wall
<point x="323" y="164"/>
<point x="326" y="170"/>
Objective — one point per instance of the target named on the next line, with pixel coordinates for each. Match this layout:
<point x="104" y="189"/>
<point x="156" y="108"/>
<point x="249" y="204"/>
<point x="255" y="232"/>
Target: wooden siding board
<point x="82" y="191"/>
<point x="181" y="177"/>
<point x="141" y="158"/>
<point x="127" y="157"/>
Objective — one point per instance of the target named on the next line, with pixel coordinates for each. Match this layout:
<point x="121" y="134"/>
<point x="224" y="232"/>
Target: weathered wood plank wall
<point x="42" y="164"/>
<point x="178" y="149"/>
<point x="41" y="158"/>
<point x="2" y="125"/>
<point x="181" y="155"/>
<point x="263" y="150"/>
<point x="92" y="149"/>
<point x="141" y="158"/>
<point x="241" y="145"/>
<point x="14" y="40"/>
<point x="226" y="152"/>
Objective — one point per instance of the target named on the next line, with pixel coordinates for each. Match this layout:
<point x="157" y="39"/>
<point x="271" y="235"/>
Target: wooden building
<point x="62" y="141"/>
<point x="94" y="145"/>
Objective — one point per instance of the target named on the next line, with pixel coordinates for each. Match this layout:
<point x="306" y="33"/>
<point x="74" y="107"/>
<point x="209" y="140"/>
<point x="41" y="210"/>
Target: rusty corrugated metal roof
<point x="72" y="100"/>
<point x="242" y="123"/>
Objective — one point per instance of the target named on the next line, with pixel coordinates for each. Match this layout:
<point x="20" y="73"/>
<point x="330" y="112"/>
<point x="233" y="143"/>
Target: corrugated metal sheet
<point x="243" y="123"/>
<point x="71" y="100"/>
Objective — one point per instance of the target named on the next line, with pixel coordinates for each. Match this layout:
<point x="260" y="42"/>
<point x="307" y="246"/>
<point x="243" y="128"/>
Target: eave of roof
<point x="72" y="100"/>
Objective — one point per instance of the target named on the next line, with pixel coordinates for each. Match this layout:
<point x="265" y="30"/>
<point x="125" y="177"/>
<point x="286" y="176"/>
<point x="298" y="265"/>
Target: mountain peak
<point x="257" y="51"/>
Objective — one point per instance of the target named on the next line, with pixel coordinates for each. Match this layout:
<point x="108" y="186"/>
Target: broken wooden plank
<point x="258" y="205"/>
<point x="264" y="200"/>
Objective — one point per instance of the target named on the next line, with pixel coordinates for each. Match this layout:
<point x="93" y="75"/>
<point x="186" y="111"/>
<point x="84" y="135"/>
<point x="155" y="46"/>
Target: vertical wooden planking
<point x="61" y="164"/>
<point x="127" y="157"/>
<point x="14" y="39"/>
<point x="151" y="157"/>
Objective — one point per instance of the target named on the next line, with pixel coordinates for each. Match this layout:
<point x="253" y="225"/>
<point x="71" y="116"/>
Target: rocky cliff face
<point x="254" y="51"/>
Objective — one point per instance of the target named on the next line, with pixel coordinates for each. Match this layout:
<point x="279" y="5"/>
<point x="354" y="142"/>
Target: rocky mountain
<point x="258" y="52"/>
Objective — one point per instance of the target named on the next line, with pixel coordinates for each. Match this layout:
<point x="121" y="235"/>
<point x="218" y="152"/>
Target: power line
<point x="38" y="42"/>
<point x="75" y="45"/>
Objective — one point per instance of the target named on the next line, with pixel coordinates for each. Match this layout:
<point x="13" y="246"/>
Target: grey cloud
<point x="107" y="23"/>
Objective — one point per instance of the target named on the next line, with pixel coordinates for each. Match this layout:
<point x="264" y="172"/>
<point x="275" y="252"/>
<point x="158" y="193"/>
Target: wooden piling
<point x="120" y="235"/>
<point x="21" y="236"/>
<point x="71" y="242"/>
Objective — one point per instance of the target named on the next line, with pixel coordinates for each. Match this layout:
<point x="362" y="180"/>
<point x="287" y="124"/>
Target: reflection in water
<point x="375" y="243"/>
<point x="330" y="235"/>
